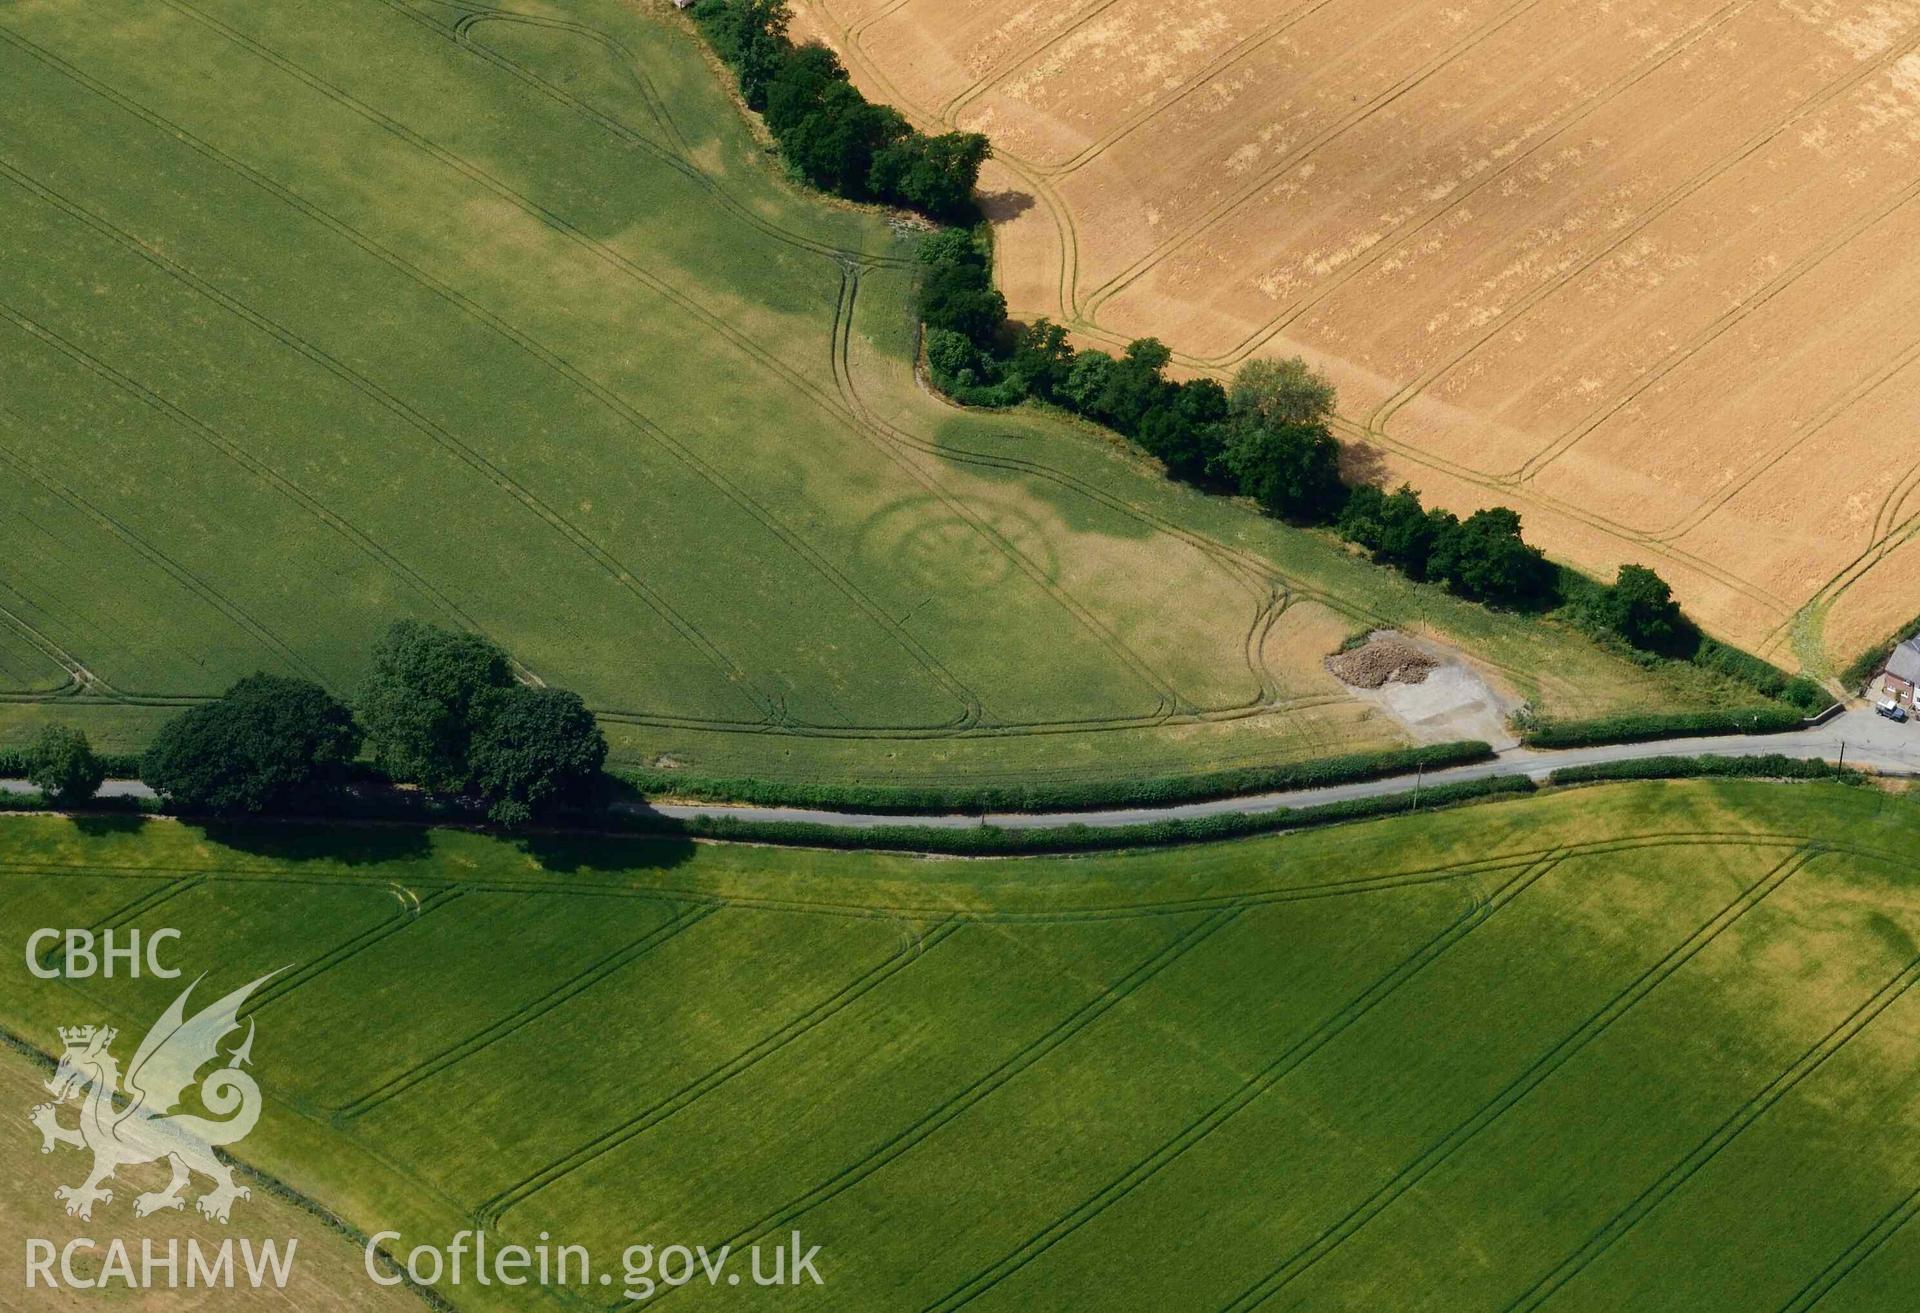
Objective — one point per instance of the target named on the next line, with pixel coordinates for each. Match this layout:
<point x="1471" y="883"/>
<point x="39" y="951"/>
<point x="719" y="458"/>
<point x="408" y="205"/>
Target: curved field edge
<point x="1701" y="976"/>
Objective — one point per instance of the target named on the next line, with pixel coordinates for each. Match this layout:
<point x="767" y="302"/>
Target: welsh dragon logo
<point x="145" y="1127"/>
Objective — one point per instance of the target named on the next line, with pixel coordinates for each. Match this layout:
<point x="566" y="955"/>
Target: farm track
<point x="491" y="1214"/>
<point x="866" y="422"/>
<point x="147" y="902"/>
<point x="888" y="441"/>
<point x="1354" y="1014"/>
<point x="1007" y="64"/>
<point x="144" y="549"/>
<point x="1477" y="914"/>
<point x="1885" y="1228"/>
<point x="580" y="982"/>
<point x="283" y="985"/>
<point x="1254" y="42"/>
<point x="1806" y="432"/>
<point x="1736" y="1124"/>
<point x="599" y="251"/>
<point x="1746" y="307"/>
<point x="78" y="680"/>
<point x="447" y="441"/>
<point x="1814" y="612"/>
<point x="1516" y="1090"/>
<point x="604" y="395"/>
<point x="674" y="154"/>
<point x="1060" y="1034"/>
<point x="260" y="470"/>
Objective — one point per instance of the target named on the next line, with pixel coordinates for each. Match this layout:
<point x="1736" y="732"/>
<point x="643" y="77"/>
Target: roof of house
<point x="1905" y="661"/>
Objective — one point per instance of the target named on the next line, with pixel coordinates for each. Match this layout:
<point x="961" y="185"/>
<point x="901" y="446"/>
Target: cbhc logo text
<point x="78" y="954"/>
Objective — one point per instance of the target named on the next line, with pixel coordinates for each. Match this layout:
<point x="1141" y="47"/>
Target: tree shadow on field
<point x="570" y="854"/>
<point x="1363" y="464"/>
<point x="340" y="842"/>
<point x="1000" y="206"/>
<point x="99" y="825"/>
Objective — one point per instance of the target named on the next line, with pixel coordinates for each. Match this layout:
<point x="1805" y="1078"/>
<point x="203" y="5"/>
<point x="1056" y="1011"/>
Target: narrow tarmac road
<point x="1869" y="741"/>
<point x="1858" y="736"/>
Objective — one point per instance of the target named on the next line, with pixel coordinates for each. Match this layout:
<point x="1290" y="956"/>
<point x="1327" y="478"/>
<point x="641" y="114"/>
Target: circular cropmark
<point x="935" y="545"/>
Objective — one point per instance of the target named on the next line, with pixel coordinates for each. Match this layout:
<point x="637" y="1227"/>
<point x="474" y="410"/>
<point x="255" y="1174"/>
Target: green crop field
<point x="1630" y="1047"/>
<point x="316" y="315"/>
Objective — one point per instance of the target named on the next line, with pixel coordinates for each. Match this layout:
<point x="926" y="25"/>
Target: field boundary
<point x="1063" y="797"/>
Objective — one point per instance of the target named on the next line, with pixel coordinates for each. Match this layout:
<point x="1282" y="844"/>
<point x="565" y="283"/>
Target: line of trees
<point x="440" y="709"/>
<point x="1265" y="436"/>
<point x="827" y="131"/>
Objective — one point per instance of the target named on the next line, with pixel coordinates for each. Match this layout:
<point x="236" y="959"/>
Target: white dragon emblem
<point x="147" y="1128"/>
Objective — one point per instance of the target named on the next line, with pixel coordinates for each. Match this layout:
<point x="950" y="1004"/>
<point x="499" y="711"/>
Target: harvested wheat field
<point x="1641" y="269"/>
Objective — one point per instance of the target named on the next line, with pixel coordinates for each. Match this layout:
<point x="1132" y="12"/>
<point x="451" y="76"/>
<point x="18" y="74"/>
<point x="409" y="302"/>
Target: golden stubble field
<point x="1642" y="269"/>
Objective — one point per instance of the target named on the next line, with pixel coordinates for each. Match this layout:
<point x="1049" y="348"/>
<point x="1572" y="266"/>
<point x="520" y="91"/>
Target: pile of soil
<point x="1381" y="660"/>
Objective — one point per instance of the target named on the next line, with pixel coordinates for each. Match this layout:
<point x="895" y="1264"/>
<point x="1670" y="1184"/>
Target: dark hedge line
<point x="826" y="130"/>
<point x="1161" y="791"/>
<point x="1868" y="663"/>
<point x="1775" y="719"/>
<point x="14" y="764"/>
<point x="991" y="841"/>
<point x="1773" y="766"/>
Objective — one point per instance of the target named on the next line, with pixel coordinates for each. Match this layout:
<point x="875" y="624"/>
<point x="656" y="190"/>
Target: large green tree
<point x="1394" y="526"/>
<point x="1640" y="608"/>
<point x="1185" y="430"/>
<point x="538" y="748"/>
<point x="751" y="35"/>
<point x="1485" y="558"/>
<point x="1280" y="393"/>
<point x="63" y="766"/>
<point x="935" y="175"/>
<point x="269" y="743"/>
<point x="957" y="291"/>
<point x="422" y="702"/>
<point x="1292" y="470"/>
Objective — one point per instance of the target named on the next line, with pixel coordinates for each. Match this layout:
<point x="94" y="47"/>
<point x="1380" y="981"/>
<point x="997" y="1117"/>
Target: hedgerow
<point x="1771" y="719"/>
<point x="1060" y="796"/>
<point x="1863" y="667"/>
<point x="996" y="841"/>
<point x="827" y="131"/>
<point x="1772" y="766"/>
<point x="15" y="763"/>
